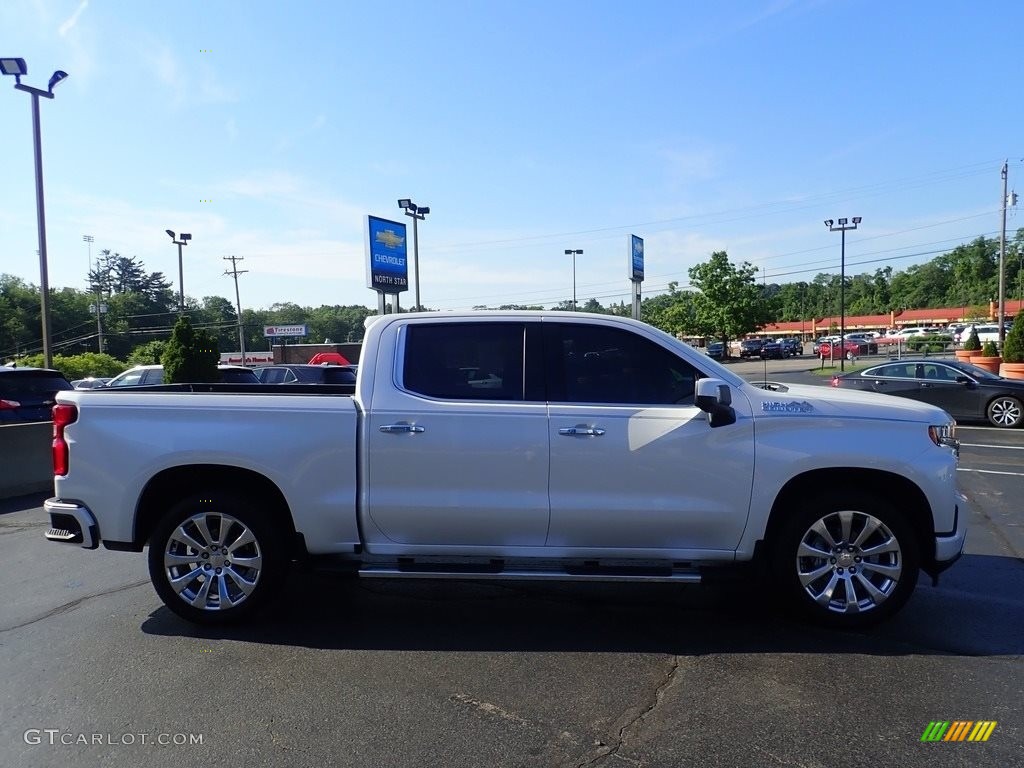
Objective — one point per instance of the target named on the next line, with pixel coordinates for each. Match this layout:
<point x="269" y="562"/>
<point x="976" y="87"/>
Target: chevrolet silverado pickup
<point x="514" y="445"/>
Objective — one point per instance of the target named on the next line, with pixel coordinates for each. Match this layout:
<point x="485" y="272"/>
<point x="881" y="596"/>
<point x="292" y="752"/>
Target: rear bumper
<point x="71" y="523"/>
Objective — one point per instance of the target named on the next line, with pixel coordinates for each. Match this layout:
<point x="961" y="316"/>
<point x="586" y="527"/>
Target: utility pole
<point x="1002" y="264"/>
<point x="235" y="272"/>
<point x="99" y="325"/>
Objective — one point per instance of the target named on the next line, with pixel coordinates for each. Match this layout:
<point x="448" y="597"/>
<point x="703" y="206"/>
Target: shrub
<point x="989" y="350"/>
<point x="190" y="355"/>
<point x="148" y="353"/>
<point x="78" y="366"/>
<point x="1013" y="347"/>
<point x="973" y="343"/>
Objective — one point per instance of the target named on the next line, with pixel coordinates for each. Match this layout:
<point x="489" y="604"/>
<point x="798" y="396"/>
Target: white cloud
<point x="72" y="20"/>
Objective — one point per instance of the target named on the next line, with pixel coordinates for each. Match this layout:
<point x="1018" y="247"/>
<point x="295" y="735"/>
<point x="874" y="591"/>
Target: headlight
<point x="945" y="434"/>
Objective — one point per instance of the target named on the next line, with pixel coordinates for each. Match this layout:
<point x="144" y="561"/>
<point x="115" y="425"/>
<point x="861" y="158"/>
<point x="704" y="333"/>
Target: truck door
<point x="457" y="450"/>
<point x="634" y="462"/>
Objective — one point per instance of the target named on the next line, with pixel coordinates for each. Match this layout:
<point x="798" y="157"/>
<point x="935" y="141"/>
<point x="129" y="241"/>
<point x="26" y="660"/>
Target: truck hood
<point x="807" y="400"/>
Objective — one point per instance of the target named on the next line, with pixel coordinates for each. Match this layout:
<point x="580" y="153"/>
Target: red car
<point x="848" y="348"/>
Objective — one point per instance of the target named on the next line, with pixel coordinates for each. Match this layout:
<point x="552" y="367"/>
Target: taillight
<point x="63" y="414"/>
<point x="7" y="405"/>
<point x="835" y="382"/>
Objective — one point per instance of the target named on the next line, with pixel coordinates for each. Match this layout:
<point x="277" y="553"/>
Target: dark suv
<point x="28" y="394"/>
<point x="751" y="347"/>
<point x="792" y="346"/>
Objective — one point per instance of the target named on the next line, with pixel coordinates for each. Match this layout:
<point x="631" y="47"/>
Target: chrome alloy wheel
<point x="849" y="562"/>
<point x="1005" y="412"/>
<point x="213" y="561"/>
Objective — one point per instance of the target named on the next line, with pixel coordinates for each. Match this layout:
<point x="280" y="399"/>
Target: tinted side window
<point x="478" y="361"/>
<point x="894" y="371"/>
<point x="595" y="364"/>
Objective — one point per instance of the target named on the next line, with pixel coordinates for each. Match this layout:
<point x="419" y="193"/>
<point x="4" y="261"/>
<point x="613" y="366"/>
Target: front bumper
<point x="950" y="545"/>
<point x="71" y="523"/>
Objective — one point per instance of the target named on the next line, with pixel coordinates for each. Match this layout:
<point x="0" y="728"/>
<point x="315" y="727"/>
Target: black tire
<point x="1005" y="411"/>
<point x="818" y="585"/>
<point x="222" y="573"/>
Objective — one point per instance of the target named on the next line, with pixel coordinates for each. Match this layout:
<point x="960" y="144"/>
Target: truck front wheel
<point x="847" y="563"/>
<point x="215" y="558"/>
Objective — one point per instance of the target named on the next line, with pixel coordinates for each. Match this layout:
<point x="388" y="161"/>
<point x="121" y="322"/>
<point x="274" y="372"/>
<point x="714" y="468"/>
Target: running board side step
<point x="572" y="574"/>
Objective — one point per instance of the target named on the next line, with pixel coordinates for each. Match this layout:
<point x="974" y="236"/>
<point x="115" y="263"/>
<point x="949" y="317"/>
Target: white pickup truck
<point x="514" y="445"/>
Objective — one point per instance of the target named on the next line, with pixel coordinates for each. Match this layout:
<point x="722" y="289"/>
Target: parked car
<point x="987" y="332"/>
<point x="773" y="350"/>
<point x="868" y="345"/>
<point x="792" y="346"/>
<point x="963" y="390"/>
<point x="28" y="394"/>
<point x="291" y="373"/>
<point x="751" y="347"/>
<point x="849" y="348"/>
<point x="147" y="375"/>
<point x="91" y="382"/>
<point x="716" y="350"/>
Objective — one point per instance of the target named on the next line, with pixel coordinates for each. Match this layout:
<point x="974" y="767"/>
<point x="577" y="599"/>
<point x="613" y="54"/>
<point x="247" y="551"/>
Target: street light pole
<point x="184" y="238"/>
<point x="17" y="68"/>
<point x="573" y="253"/>
<point x="1002" y="263"/>
<point x="418" y="213"/>
<point x="842" y="227"/>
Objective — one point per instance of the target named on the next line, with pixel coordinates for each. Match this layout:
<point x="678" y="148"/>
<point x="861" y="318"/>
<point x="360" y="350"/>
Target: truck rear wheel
<point x="216" y="557"/>
<point x="846" y="563"/>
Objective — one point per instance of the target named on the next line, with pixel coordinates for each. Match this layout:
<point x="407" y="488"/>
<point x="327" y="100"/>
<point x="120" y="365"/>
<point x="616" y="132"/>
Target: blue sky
<point x="268" y="130"/>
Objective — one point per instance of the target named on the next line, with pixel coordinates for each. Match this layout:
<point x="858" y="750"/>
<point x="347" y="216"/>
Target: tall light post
<point x="418" y="213"/>
<point x="179" y="241"/>
<point x="574" y="254"/>
<point x="17" y="68"/>
<point x="842" y="226"/>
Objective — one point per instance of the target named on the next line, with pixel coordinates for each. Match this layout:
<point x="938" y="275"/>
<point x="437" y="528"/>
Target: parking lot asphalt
<point x="365" y="673"/>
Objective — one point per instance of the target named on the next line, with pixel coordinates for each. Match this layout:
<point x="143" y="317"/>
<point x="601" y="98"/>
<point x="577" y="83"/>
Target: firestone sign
<point x="285" y="330"/>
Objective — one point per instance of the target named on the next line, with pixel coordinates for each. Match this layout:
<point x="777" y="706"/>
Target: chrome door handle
<point x="393" y="429"/>
<point x="591" y="431"/>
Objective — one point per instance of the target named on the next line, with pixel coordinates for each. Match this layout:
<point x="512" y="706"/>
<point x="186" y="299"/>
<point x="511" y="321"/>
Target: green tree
<point x="190" y="355"/>
<point x="149" y="353"/>
<point x="730" y="304"/>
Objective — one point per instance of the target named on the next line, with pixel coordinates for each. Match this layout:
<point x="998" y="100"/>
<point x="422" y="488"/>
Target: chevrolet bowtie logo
<point x="389" y="238"/>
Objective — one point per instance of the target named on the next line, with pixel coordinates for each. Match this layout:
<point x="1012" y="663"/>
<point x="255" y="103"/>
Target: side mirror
<point x="962" y="380"/>
<point x="715" y="398"/>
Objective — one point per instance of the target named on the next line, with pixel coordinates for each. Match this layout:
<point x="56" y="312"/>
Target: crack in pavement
<point x="659" y="695"/>
<point x="74" y="604"/>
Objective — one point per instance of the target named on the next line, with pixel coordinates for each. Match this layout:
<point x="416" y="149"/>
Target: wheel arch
<point x="175" y="483"/>
<point x="902" y="493"/>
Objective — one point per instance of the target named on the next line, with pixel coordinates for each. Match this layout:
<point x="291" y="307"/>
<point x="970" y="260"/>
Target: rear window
<point x="232" y="376"/>
<point x="26" y="385"/>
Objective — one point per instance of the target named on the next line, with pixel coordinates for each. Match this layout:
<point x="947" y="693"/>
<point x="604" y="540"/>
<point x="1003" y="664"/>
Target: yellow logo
<point x="389" y="238"/>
